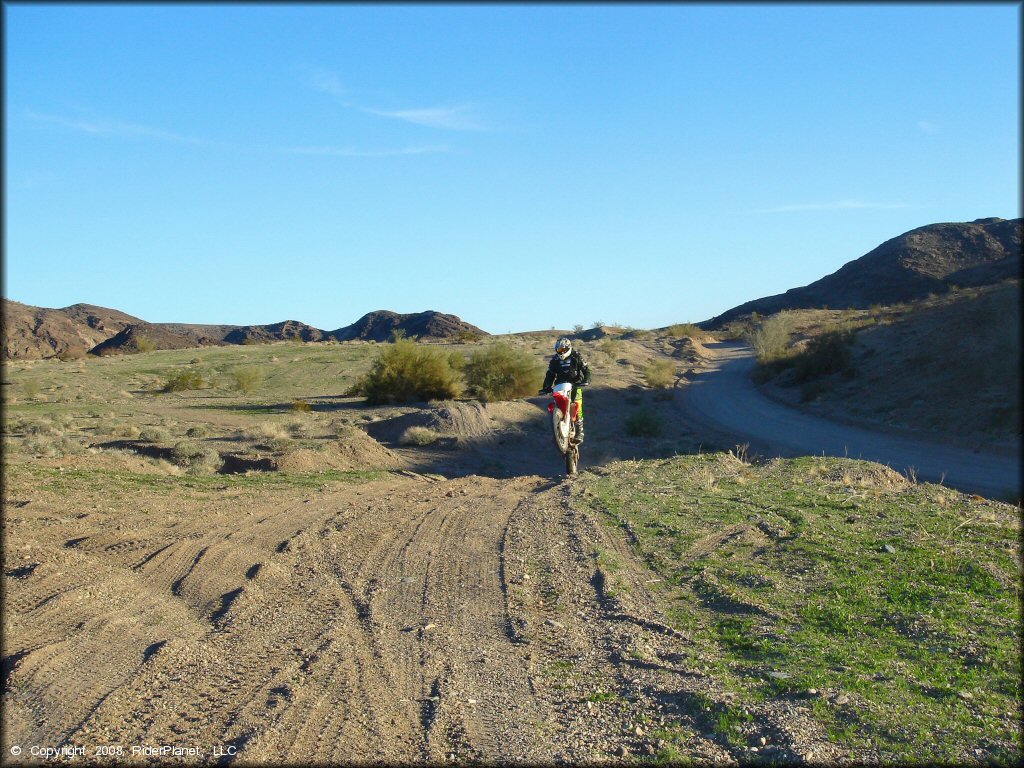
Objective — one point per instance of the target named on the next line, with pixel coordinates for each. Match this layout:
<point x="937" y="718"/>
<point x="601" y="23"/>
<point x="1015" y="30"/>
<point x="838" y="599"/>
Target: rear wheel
<point x="572" y="459"/>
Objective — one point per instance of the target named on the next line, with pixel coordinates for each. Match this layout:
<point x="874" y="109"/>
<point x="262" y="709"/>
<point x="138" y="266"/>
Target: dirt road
<point x="390" y="621"/>
<point x="724" y="401"/>
<point x="403" y="620"/>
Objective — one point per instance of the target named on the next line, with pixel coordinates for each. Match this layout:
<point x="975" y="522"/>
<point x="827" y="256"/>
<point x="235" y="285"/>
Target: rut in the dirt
<point x="404" y="620"/>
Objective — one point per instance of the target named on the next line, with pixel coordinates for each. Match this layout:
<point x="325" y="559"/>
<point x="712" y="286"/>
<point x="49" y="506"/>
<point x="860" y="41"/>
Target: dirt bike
<point x="564" y="415"/>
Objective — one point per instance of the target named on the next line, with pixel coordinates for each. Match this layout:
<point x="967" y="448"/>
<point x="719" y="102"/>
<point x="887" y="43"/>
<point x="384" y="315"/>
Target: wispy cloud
<point x="460" y="118"/>
<point x="112" y="128"/>
<point x="839" y="205"/>
<point x="355" y="152"/>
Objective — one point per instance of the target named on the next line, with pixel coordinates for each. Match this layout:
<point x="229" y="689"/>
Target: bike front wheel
<point x="561" y="432"/>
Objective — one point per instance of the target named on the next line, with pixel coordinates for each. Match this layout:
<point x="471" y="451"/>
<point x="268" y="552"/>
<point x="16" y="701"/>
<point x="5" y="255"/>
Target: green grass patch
<point x="836" y="575"/>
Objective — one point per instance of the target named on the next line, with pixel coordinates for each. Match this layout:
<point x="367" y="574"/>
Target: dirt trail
<point x="724" y="401"/>
<point x="406" y="619"/>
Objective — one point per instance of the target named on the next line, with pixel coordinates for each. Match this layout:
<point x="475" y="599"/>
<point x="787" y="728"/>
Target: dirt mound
<point x="353" y="451"/>
<point x="864" y="474"/>
<point x="450" y="419"/>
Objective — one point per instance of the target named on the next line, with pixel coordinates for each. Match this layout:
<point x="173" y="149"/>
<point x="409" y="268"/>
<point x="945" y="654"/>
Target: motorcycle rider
<point x="568" y="365"/>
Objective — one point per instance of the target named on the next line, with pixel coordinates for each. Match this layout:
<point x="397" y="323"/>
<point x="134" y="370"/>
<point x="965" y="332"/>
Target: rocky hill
<point x="143" y="337"/>
<point x="928" y="260"/>
<point x="289" y="330"/>
<point x="38" y="332"/>
<point x="380" y="325"/>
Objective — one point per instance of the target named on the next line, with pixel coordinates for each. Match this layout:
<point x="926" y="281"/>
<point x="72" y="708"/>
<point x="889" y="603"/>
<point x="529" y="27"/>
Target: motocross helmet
<point x="563" y="347"/>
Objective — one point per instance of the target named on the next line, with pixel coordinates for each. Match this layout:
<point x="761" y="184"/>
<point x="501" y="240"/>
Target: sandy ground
<point x="452" y="609"/>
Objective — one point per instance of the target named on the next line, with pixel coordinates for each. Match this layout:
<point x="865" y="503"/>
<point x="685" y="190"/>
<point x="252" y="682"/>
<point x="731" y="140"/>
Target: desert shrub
<point x="41" y="428"/>
<point x="145" y="344"/>
<point x="153" y="435"/>
<point x="467" y="337"/>
<point x="51" y="446"/>
<point x="184" y="380"/>
<point x="301" y="406"/>
<point x="660" y="374"/>
<point x="684" y="330"/>
<point x="126" y="431"/>
<point x="457" y="361"/>
<point x="199" y="431"/>
<point x="829" y="353"/>
<point x="502" y="372"/>
<point x="770" y="338"/>
<point x="297" y="428"/>
<point x="247" y="378"/>
<point x="611" y="347"/>
<point x="30" y="388"/>
<point x="577" y="329"/>
<point x="407" y="372"/>
<point x="418" y="436"/>
<point x="643" y="423"/>
<point x="195" y="458"/>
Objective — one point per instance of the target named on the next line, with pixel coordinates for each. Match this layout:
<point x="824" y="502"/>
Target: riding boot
<point x="579" y="431"/>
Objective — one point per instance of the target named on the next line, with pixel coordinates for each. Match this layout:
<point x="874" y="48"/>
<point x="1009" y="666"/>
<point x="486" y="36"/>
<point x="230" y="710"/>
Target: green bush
<point x="643" y="423"/>
<point x="153" y="435"/>
<point x="612" y="348"/>
<point x="195" y="458"/>
<point x="30" y="388"/>
<point x="502" y="372"/>
<point x="247" y="378"/>
<point x="684" y="330"/>
<point x="829" y="353"/>
<point x="145" y="344"/>
<point x="418" y="436"/>
<point x="770" y="339"/>
<point x="199" y="431"/>
<point x="660" y="374"/>
<point x="184" y="380"/>
<point x="409" y="372"/>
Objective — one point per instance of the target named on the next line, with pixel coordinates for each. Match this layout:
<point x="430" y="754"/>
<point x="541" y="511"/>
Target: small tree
<point x="145" y="344"/>
<point x="770" y="339"/>
<point x="247" y="378"/>
<point x="407" y="372"/>
<point x="502" y="372"/>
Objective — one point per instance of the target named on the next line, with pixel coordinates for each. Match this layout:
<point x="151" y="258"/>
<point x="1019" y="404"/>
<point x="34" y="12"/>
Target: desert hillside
<point x="925" y="261"/>
<point x="37" y="332"/>
<point x="382" y="324"/>
<point x="34" y="333"/>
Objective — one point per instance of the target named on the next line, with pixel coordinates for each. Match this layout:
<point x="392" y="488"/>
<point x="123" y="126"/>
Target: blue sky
<point x="522" y="166"/>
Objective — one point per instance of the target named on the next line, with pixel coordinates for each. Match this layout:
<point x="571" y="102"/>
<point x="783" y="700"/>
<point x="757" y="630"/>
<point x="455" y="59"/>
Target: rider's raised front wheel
<point x="561" y="431"/>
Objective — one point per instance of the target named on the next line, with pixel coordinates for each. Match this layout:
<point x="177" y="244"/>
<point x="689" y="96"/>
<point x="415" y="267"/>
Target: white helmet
<point x="563" y="347"/>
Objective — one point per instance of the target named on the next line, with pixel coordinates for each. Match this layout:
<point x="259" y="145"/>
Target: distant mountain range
<point x="928" y="260"/>
<point x="37" y="332"/>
